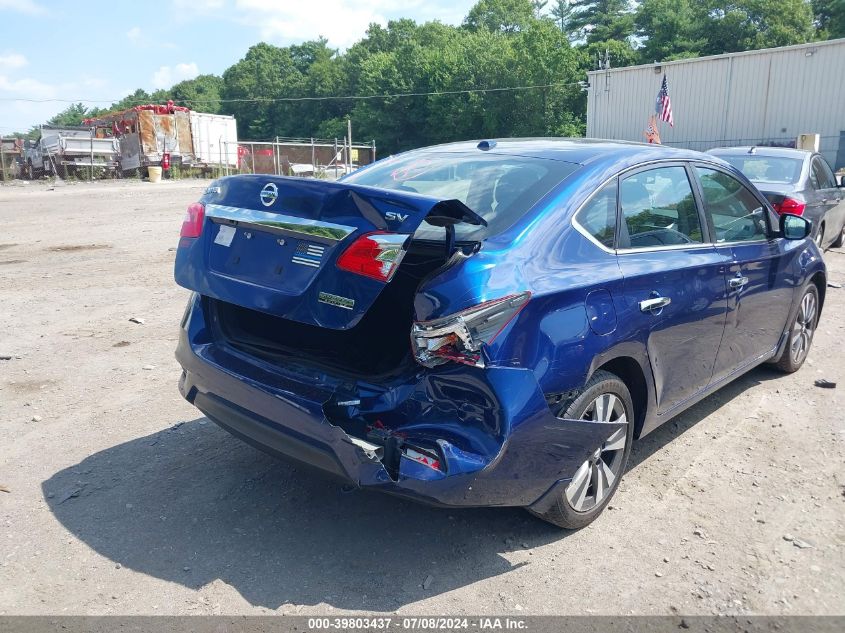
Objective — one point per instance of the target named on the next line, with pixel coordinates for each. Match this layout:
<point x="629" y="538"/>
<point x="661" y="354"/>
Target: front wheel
<point x="605" y="398"/>
<point x="801" y="332"/>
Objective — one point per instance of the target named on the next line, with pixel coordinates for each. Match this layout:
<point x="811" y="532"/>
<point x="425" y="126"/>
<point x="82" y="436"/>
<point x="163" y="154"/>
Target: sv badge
<point x="395" y="217"/>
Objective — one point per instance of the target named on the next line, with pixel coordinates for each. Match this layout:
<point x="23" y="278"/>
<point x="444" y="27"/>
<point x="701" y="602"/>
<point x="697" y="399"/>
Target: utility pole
<point x="349" y="136"/>
<point x="334" y="158"/>
<point x="2" y="160"/>
<point x="91" y="173"/>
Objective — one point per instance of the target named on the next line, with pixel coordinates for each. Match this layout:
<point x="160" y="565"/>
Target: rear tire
<point x="605" y="397"/>
<point x="839" y="240"/>
<point x="801" y="332"/>
<point x="819" y="239"/>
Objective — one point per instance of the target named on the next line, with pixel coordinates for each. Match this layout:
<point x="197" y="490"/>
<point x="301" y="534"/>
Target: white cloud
<point x="166" y="76"/>
<point x="29" y="88"/>
<point x="23" y="6"/>
<point x="199" y="6"/>
<point x="340" y="21"/>
<point x="142" y="39"/>
<point x="11" y="61"/>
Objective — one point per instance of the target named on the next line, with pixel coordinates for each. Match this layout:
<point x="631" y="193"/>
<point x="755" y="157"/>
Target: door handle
<point x="654" y="304"/>
<point x="738" y="282"/>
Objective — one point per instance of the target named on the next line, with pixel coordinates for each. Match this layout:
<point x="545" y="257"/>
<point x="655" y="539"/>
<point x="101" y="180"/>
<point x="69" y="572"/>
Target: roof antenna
<point x="753" y="150"/>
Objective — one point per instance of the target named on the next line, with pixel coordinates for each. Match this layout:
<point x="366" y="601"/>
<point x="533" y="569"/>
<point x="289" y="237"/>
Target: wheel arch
<point x="631" y="372"/>
<point x="819" y="279"/>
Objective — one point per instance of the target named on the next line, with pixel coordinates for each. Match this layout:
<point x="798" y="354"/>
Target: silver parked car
<point x="795" y="181"/>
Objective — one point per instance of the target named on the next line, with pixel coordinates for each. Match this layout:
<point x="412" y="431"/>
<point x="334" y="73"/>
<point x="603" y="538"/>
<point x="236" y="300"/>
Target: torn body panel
<point x="456" y="436"/>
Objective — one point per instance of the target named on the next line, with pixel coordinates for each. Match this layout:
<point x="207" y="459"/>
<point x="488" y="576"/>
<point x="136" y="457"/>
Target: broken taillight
<point x="426" y="458"/>
<point x="375" y="255"/>
<point x="192" y="223"/>
<point x="459" y="337"/>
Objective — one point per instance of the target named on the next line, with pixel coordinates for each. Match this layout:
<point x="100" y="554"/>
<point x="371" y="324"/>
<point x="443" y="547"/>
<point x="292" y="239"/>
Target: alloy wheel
<point x="595" y="478"/>
<point x="802" y="330"/>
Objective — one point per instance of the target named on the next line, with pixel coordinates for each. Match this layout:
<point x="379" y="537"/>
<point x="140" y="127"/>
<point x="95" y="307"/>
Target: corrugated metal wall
<point x="768" y="96"/>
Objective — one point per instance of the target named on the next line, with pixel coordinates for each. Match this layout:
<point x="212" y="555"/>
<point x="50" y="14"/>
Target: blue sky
<point x="103" y="50"/>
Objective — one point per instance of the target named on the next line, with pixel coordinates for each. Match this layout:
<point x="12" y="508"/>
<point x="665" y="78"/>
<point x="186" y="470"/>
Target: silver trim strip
<point x="670" y="247"/>
<point x="588" y="235"/>
<point x="316" y="230"/>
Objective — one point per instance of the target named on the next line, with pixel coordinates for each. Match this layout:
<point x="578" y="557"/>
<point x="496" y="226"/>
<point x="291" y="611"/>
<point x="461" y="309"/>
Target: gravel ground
<point x="120" y="498"/>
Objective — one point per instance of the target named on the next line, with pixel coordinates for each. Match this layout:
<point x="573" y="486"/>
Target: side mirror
<point x="794" y="227"/>
<point x="841" y="181"/>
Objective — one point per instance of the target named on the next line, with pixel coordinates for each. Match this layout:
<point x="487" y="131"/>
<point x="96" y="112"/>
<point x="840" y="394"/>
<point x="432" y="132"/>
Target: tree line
<point x="524" y="60"/>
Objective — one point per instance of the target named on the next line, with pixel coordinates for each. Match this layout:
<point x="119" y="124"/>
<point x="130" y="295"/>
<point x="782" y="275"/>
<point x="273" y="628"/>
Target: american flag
<point x="308" y="254"/>
<point x="663" y="106"/>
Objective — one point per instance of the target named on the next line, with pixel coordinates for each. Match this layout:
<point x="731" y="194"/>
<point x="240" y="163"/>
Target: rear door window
<point x="658" y="209"/>
<point x="822" y="174"/>
<point x="735" y="212"/>
<point x="598" y="216"/>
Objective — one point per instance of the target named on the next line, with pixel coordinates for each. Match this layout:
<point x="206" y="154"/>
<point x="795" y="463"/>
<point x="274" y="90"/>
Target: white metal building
<point x="768" y="96"/>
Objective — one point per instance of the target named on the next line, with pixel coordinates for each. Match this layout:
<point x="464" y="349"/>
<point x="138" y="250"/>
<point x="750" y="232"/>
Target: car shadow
<point x="645" y="447"/>
<point x="191" y="505"/>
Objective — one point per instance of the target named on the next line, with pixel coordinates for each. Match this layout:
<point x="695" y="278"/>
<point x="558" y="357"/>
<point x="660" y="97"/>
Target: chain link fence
<point x="296" y="157"/>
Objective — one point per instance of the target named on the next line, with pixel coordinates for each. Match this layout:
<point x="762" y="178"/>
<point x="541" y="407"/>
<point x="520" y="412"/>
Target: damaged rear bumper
<point x="490" y="432"/>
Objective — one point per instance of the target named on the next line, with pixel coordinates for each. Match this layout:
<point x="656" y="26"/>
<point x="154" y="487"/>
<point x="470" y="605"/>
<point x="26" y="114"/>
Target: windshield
<point x="499" y="188"/>
<point x="768" y="169"/>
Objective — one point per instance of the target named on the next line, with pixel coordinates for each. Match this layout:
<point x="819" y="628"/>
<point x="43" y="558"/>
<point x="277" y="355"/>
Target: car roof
<point x="785" y="152"/>
<point x="571" y="150"/>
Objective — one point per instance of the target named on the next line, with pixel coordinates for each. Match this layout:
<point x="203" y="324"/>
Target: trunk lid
<point x="272" y="244"/>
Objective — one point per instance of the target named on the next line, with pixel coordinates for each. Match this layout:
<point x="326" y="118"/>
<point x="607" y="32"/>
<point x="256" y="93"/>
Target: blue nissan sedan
<point x="487" y="323"/>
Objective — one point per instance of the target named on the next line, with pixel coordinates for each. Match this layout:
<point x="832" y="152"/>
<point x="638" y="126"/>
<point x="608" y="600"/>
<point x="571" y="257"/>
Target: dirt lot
<point x="120" y="498"/>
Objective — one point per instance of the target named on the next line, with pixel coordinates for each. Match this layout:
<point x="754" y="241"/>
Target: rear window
<point x="768" y="169"/>
<point x="499" y="188"/>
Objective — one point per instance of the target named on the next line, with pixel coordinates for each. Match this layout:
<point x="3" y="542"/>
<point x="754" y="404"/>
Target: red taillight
<point x="375" y="255"/>
<point x="790" y="205"/>
<point x="192" y="224"/>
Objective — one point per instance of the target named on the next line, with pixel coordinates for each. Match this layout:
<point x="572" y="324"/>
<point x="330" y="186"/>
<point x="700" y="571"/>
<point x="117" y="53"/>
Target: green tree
<point x="618" y="53"/>
<point x="602" y="20"/>
<point x="562" y="13"/>
<point x="741" y="25"/>
<point x="830" y="17"/>
<point x="538" y="6"/>
<point x="670" y="29"/>
<point x="508" y="16"/>
<point x="254" y="84"/>
<point x="70" y="116"/>
<point x="201" y="93"/>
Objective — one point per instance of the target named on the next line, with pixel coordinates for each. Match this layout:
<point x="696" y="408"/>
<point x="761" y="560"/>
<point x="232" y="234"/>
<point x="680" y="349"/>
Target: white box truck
<point x="215" y="140"/>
